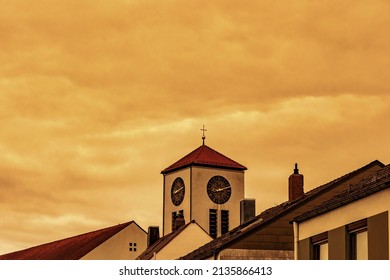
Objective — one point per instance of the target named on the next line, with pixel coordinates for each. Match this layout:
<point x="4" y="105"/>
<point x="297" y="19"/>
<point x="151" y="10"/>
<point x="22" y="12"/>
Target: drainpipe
<point x="296" y="239"/>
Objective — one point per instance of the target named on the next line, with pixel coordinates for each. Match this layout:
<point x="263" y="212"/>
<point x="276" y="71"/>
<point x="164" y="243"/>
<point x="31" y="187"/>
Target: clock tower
<point x="204" y="186"/>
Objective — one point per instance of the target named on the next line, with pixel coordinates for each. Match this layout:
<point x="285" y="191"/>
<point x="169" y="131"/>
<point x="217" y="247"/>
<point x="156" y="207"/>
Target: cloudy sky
<point x="97" y="97"/>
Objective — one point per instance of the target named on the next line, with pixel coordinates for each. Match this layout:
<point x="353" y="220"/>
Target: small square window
<point x="132" y="247"/>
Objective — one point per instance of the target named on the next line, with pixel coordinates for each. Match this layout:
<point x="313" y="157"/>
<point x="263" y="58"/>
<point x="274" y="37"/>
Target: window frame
<point x="224" y="221"/>
<point x="353" y="230"/>
<point x="316" y="242"/>
<point x="213" y="225"/>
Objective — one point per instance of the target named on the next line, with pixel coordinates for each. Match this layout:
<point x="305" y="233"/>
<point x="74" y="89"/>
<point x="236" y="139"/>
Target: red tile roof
<point x="72" y="248"/>
<point x="204" y="156"/>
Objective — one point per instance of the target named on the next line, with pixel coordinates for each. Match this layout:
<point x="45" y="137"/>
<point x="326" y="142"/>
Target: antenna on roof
<point x="203" y="137"/>
<point x="296" y="170"/>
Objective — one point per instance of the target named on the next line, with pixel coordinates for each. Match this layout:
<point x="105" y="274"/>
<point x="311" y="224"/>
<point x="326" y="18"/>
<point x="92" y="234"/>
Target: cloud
<point x="174" y="52"/>
<point x="96" y="98"/>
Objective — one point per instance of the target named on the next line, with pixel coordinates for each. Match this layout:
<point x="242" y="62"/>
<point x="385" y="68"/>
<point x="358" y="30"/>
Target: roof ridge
<point x="198" y="150"/>
<point x="89" y="232"/>
<point x="340" y="178"/>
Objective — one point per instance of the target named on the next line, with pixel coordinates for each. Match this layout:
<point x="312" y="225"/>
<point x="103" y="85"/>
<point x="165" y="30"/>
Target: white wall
<point x="117" y="247"/>
<point x="202" y="202"/>
<point x="191" y="238"/>
<point x="169" y="207"/>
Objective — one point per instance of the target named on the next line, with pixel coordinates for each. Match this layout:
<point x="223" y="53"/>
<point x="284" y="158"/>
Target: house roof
<point x="270" y="215"/>
<point x="366" y="187"/>
<point x="72" y="248"/>
<point x="162" y="242"/>
<point x="204" y="156"/>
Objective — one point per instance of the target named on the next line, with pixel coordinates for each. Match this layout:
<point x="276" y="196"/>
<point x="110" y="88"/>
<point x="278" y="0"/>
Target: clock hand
<point x="221" y="189"/>
<point x="178" y="190"/>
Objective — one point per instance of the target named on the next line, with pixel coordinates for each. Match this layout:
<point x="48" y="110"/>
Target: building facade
<point x="352" y="225"/>
<point x="270" y="235"/>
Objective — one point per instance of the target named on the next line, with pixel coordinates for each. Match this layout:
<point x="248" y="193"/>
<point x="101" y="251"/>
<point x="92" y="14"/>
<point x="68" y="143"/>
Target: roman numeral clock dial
<point x="219" y="189"/>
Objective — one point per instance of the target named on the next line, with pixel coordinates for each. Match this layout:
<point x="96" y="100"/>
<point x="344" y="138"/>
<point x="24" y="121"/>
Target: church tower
<point x="204" y="186"/>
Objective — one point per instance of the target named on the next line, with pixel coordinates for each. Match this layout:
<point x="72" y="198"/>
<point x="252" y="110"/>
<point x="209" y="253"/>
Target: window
<point x="360" y="245"/>
<point x="224" y="221"/>
<point x="213" y="223"/>
<point x="320" y="246"/>
<point x="132" y="247"/>
<point x="177" y="220"/>
<point x="358" y="240"/>
<point x="321" y="251"/>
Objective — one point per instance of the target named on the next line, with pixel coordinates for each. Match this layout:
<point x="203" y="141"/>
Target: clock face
<point x="177" y="191"/>
<point x="219" y="189"/>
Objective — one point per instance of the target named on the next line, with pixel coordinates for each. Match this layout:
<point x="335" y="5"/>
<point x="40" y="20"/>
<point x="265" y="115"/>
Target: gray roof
<point x="366" y="187"/>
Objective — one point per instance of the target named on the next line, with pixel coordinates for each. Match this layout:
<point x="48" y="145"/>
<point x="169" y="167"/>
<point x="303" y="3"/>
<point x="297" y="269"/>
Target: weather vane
<point x="203" y="137"/>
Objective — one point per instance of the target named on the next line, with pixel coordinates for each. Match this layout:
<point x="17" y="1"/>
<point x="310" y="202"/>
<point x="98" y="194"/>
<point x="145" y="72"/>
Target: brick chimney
<point x="295" y="185"/>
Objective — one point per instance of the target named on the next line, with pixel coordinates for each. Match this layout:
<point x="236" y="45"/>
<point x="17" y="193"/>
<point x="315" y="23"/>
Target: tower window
<point x="177" y="220"/>
<point x="224" y="221"/>
<point x="213" y="223"/>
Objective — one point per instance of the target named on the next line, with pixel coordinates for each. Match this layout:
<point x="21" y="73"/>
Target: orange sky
<point x="97" y="97"/>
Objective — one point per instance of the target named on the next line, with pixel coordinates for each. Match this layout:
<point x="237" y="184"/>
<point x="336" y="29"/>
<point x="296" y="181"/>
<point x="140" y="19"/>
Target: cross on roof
<point x="203" y="137"/>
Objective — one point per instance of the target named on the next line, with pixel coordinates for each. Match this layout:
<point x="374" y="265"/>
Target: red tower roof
<point x="204" y="156"/>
